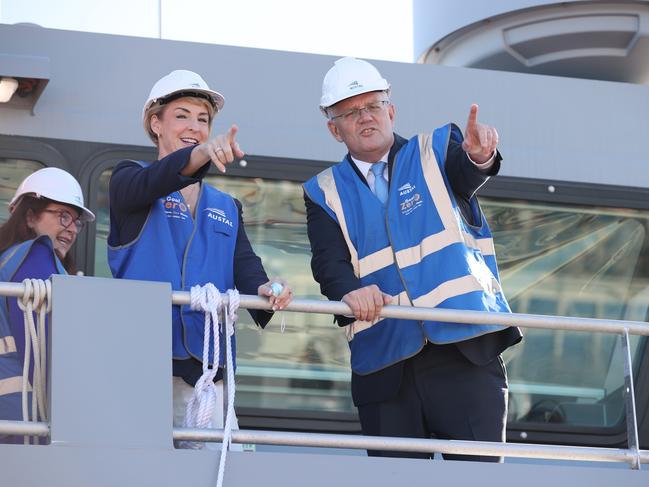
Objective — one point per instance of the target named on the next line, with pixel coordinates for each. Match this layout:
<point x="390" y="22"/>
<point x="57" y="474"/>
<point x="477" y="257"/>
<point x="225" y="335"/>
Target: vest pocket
<point x="222" y="228"/>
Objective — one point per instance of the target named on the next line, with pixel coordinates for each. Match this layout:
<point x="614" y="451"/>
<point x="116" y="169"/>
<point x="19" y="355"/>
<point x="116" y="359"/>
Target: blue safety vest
<point x="172" y="247"/>
<point x="11" y="367"/>
<point x="419" y="249"/>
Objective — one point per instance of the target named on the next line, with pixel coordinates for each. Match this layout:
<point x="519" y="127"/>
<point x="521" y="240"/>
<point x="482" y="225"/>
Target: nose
<point x="364" y="113"/>
<point x="194" y="125"/>
<point x="72" y="228"/>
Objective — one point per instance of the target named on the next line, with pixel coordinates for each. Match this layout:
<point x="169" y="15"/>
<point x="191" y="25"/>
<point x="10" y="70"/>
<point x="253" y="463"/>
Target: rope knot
<point x="200" y="408"/>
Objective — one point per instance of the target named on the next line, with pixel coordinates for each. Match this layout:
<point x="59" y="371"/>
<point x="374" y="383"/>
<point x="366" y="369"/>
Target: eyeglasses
<point x="66" y="219"/>
<point x="354" y="114"/>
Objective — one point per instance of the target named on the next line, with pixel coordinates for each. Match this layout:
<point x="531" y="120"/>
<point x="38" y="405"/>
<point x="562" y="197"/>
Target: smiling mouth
<point x="367" y="131"/>
<point x="66" y="242"/>
<point x="189" y="140"/>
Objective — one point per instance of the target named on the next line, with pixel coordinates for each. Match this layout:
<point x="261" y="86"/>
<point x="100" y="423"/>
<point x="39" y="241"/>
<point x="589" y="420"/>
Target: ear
<point x="30" y="219"/>
<point x="155" y="125"/>
<point x="334" y="130"/>
<point x="392" y="110"/>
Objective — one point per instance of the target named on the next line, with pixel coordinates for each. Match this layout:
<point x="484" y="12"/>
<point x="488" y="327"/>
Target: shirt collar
<point x="364" y="167"/>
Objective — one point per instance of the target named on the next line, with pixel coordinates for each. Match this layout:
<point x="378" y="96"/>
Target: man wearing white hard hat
<point x="397" y="222"/>
<point x="166" y="225"/>
<point x="47" y="213"/>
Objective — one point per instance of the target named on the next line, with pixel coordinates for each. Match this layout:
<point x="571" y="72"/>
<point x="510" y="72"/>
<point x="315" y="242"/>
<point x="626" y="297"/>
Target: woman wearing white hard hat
<point x="166" y="225"/>
<point x="47" y="214"/>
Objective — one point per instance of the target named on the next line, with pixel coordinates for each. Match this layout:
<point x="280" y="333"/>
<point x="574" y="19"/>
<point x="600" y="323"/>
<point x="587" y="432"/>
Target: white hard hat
<point x="181" y="83"/>
<point x="350" y="77"/>
<point x="55" y="184"/>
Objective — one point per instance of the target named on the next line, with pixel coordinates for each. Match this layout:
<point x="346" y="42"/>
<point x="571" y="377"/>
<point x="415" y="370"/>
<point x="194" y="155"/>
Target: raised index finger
<point x="473" y="116"/>
<point x="232" y="133"/>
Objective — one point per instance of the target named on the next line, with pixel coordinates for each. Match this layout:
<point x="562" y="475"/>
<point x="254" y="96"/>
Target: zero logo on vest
<point x="175" y="208"/>
<point x="409" y="202"/>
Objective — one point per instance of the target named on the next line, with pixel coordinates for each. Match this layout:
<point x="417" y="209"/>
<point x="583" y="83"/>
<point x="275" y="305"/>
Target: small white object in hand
<point x="277" y="288"/>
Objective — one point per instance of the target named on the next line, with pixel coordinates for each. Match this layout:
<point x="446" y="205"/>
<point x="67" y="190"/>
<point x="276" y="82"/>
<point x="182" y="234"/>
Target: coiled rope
<point x="200" y="408"/>
<point x="37" y="297"/>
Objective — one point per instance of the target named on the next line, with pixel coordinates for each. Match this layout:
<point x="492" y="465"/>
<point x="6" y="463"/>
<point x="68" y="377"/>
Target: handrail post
<point x="629" y="400"/>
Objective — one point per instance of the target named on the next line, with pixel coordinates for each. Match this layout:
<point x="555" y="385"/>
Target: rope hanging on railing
<point x="37" y="297"/>
<point x="230" y="320"/>
<point x="200" y="408"/>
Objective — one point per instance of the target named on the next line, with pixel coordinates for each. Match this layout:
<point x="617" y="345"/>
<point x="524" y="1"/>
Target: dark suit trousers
<point x="442" y="395"/>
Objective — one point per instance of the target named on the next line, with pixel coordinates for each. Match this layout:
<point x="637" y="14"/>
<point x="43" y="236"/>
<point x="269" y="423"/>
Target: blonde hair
<point x="158" y="109"/>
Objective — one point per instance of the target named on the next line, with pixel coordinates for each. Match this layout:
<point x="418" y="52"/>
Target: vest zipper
<point x="182" y="270"/>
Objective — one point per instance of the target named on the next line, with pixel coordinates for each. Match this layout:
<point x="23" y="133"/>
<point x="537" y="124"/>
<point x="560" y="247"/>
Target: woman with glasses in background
<point x="46" y="215"/>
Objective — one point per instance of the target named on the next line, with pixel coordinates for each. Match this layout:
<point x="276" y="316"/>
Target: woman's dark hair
<point x="15" y="230"/>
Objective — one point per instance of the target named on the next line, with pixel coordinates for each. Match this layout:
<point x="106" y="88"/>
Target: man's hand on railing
<point x="367" y="302"/>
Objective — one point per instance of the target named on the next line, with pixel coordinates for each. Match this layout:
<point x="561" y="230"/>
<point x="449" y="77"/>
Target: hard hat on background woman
<point x="54" y="184"/>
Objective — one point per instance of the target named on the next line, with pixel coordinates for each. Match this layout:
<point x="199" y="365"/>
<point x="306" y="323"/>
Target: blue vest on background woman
<point x="11" y="364"/>
<point x="419" y="249"/>
<point x="172" y="247"/>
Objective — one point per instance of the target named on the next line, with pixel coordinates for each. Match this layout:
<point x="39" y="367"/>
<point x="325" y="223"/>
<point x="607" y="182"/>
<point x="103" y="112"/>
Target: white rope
<point x="200" y="408"/>
<point x="230" y="319"/>
<point x="201" y="405"/>
<point x="37" y="296"/>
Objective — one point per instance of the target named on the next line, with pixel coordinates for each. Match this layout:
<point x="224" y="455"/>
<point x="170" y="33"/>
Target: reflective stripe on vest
<point x="327" y="182"/>
<point x="12" y="385"/>
<point x="7" y="345"/>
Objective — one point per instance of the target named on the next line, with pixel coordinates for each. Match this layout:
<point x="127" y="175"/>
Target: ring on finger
<point x="219" y="149"/>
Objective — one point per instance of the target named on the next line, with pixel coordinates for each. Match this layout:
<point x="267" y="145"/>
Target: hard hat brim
<point x="331" y="101"/>
<point x="84" y="213"/>
<point x="215" y="98"/>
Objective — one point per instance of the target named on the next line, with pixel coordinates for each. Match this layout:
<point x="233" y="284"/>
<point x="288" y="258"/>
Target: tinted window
<point x="570" y="261"/>
<point x="12" y="172"/>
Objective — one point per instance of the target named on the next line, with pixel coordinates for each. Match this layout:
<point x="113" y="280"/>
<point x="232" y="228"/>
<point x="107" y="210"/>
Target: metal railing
<point x="631" y="455"/>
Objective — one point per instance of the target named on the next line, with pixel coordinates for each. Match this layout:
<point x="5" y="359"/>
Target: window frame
<point x="94" y="166"/>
